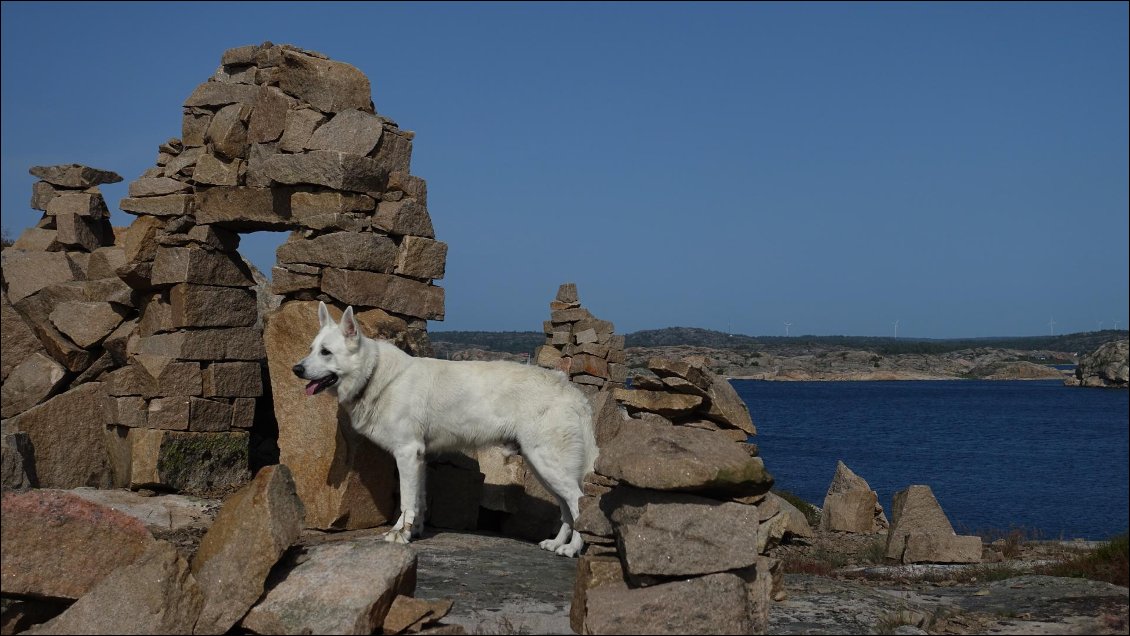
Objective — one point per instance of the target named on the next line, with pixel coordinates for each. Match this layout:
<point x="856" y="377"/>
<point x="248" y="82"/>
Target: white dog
<point x="412" y="406"/>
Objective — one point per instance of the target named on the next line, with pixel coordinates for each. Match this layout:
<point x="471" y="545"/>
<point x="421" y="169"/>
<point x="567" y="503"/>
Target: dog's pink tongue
<point x="310" y="388"/>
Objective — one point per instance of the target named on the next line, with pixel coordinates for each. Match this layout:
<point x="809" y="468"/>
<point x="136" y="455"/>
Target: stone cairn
<point x="580" y="345"/>
<point x="278" y="139"/>
<point x="67" y="318"/>
<point x="677" y="516"/>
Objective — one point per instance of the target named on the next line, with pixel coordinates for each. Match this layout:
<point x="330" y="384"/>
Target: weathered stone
<point x="168" y="205"/>
<point x="797" y="523"/>
<point x="346" y="250"/>
<point x="194" y="124"/>
<point x="221" y="94"/>
<point x="33" y="380"/>
<point x="209" y="415"/>
<point x="235" y="343"/>
<point x="104" y="261"/>
<point x="36" y="239"/>
<point x="236" y="73"/>
<point x="335" y="170"/>
<point x="139" y="243"/>
<point x="850" y="511"/>
<point x="349" y="131"/>
<point x="183" y="166"/>
<point x="665" y="534"/>
<point x="241" y="208"/>
<point x="168" y="413"/>
<point x="233" y="379"/>
<point x="588" y="364"/>
<point x="87" y="323"/>
<point x="17" y="340"/>
<point x="17" y="461"/>
<point x="403" y="218"/>
<point x="28" y="272"/>
<point x="661" y="402"/>
<point x="713" y="604"/>
<point x="560" y="316"/>
<point x="240" y="55"/>
<point x="227" y="132"/>
<point x="409" y="614"/>
<point x="188" y="462"/>
<point x="411" y="185"/>
<point x="243" y="413"/>
<point x="193" y="265"/>
<point x="547" y="356"/>
<point x="310" y="204"/>
<point x="209" y="306"/>
<point x="155" y="594"/>
<point x="78" y="232"/>
<point x="606" y="417"/>
<point x="284" y="281"/>
<point x="664" y="368"/>
<point x="300" y="126"/>
<point x="930" y="547"/>
<point x="214" y="170"/>
<point x="339" y="587"/>
<point x="593" y="572"/>
<point x="661" y="457"/>
<point x="61" y="546"/>
<point x="158" y="186"/>
<point x="345" y="481"/>
<point x="567" y="293"/>
<point x="36" y="311"/>
<point x="129" y="411"/>
<point x="914" y="509"/>
<point x="391" y="293"/>
<point x="178" y="378"/>
<point x="327" y="85"/>
<point x="86" y="204"/>
<point x="41" y="194"/>
<point x="69" y="443"/>
<point x="215" y="237"/>
<point x="394" y="151"/>
<point x="252" y="530"/>
<point x="268" y="120"/>
<point x="1106" y="366"/>
<point x="74" y="175"/>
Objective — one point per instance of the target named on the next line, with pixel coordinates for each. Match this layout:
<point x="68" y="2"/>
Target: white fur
<point x="412" y="406"/>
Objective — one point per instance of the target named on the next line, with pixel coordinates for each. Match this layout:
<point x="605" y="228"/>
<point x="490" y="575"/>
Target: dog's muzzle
<point x="317" y="385"/>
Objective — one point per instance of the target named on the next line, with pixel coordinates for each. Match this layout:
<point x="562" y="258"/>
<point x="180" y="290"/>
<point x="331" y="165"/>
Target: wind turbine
<point x="1116" y="325"/>
<point x="896" y="324"/>
<point x="1051" y="326"/>
<point x="787" y="325"/>
<point x="1100" y="325"/>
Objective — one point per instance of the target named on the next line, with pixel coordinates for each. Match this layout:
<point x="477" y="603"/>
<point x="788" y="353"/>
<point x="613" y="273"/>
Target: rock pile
<point x="851" y="506"/>
<point x="88" y="567"/>
<point x="677" y="515"/>
<point x="67" y="318"/>
<point x="921" y="533"/>
<point x="583" y="347"/>
<point x="1107" y="366"/>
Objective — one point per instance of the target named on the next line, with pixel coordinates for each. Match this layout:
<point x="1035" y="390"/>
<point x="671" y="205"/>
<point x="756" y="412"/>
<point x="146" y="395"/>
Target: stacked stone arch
<point x="278" y="139"/>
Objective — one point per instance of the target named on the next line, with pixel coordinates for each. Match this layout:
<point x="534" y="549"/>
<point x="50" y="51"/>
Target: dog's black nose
<point x="299" y="370"/>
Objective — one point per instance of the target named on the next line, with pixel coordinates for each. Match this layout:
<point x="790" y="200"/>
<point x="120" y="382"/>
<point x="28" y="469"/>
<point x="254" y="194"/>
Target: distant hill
<point x="526" y="341"/>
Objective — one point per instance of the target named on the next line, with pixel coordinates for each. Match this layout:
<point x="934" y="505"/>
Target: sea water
<point x="1036" y="455"/>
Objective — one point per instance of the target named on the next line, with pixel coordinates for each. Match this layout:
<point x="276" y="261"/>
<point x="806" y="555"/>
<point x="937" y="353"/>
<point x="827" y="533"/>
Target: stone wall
<point x="164" y="314"/>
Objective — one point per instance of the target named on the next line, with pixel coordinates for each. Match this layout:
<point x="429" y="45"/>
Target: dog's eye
<point x="324" y="351"/>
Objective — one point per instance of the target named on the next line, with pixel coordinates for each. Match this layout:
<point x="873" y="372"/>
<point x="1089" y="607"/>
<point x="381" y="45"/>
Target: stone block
<point x="217" y="171"/>
<point x="403" y="218"/>
<point x="87" y="323"/>
<point x="243" y="413"/>
<point x="168" y="205"/>
<point x="157" y="186"/>
<point x="174" y="265"/>
<point x="210" y="94"/>
<point x="299" y="127"/>
<point x="74" y="175"/>
<point x="394" y="151"/>
<point x="422" y="258"/>
<point x="69" y="442"/>
<point x="343" y="250"/>
<point x="209" y="415"/>
<point x="30" y="382"/>
<point x="328" y="168"/>
<point x="236" y="343"/>
<point x="392" y="293"/>
<point x="327" y="85"/>
<point x="17" y="339"/>
<point x="349" y="131"/>
<point x="412" y="186"/>
<point x="193" y="463"/>
<point x="284" y="281"/>
<point x="713" y="604"/>
<point x="593" y="572"/>
<point x="246" y="209"/>
<point x="927" y="547"/>
<point x="233" y="379"/>
<point x="268" y="119"/>
<point x="227" y="132"/>
<point x="41" y="194"/>
<point x="129" y="411"/>
<point x="78" y="232"/>
<point x="210" y="306"/>
<point x="660" y="402"/>
<point x="87" y="204"/>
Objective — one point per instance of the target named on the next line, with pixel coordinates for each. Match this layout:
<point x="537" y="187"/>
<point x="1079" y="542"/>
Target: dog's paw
<point x="566" y="551"/>
<point x="550" y="545"/>
<point x="398" y="536"/>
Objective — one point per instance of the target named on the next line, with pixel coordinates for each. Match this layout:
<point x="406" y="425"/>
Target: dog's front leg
<point x="410" y="464"/>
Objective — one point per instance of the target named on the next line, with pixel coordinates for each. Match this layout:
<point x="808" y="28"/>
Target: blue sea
<point x="998" y="455"/>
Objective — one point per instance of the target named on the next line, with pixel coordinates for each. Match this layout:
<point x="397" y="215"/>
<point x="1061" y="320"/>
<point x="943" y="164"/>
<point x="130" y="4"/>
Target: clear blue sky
<point x="959" y="167"/>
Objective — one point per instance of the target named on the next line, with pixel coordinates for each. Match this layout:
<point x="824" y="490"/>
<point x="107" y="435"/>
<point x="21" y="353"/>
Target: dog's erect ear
<point x="349" y="327"/>
<point x="323" y="314"/>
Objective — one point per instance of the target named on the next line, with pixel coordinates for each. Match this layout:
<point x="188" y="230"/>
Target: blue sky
<point x="961" y="168"/>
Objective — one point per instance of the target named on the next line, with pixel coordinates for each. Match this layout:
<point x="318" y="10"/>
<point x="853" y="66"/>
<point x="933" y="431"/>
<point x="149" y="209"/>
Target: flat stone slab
<point x="494" y="581"/>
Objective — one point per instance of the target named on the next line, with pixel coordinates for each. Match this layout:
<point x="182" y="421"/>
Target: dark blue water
<point x="1034" y="454"/>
